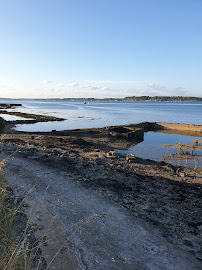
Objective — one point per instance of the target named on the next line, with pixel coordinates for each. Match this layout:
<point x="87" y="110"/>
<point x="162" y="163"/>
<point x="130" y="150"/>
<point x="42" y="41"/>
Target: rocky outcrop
<point x="9" y="106"/>
<point x="127" y="133"/>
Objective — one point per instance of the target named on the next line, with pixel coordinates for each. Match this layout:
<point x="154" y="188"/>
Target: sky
<point x="100" y="48"/>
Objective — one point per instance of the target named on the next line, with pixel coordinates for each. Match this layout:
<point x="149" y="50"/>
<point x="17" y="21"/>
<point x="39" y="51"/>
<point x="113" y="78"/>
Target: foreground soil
<point x="116" y="212"/>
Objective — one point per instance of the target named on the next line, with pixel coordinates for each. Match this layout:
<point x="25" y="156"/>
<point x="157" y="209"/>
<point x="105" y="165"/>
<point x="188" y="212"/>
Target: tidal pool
<point x="152" y="148"/>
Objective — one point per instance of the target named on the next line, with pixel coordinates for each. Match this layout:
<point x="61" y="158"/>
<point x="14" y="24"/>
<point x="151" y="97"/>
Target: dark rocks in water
<point x="9" y="106"/>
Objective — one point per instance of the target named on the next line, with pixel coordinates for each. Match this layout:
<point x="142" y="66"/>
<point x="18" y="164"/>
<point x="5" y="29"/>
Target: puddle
<point x="152" y="148"/>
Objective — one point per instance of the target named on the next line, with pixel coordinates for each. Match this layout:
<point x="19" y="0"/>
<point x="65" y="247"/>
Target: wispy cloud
<point x="67" y="85"/>
<point x="44" y="82"/>
<point x="50" y="89"/>
<point x="113" y="81"/>
<point x="60" y="84"/>
<point x="81" y="86"/>
<point x="157" y="89"/>
<point x="8" y="85"/>
<point x="72" y="85"/>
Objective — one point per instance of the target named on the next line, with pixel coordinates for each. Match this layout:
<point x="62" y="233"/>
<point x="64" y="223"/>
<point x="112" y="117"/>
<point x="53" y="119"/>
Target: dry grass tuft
<point x="15" y="254"/>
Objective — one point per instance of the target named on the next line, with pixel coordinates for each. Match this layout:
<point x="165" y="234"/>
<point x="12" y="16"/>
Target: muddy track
<point x="102" y="234"/>
<point x="107" y="199"/>
<point x="96" y="209"/>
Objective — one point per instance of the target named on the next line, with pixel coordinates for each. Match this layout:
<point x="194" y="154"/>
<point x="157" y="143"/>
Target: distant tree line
<point x="162" y="98"/>
<point x="141" y="98"/>
<point x="134" y="98"/>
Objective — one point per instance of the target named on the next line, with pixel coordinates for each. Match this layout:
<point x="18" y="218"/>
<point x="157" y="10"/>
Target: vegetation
<point x="162" y="98"/>
<point x="133" y="98"/>
<point x="14" y="254"/>
<point x="2" y="125"/>
<point x="11" y="257"/>
<point x="138" y="98"/>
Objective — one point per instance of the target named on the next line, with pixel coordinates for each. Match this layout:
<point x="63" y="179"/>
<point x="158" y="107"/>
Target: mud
<point x="164" y="200"/>
<point x="180" y="127"/>
<point x="105" y="233"/>
<point x="34" y="118"/>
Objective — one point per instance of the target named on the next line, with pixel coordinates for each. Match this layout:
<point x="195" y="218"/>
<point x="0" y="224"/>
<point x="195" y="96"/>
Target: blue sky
<point x="100" y="48"/>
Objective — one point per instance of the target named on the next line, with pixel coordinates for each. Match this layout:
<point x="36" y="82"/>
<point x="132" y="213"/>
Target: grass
<point x="15" y="252"/>
<point x="2" y="125"/>
<point x="11" y="257"/>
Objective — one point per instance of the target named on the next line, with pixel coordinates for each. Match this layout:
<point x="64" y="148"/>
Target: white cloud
<point x="65" y="90"/>
<point x="81" y="86"/>
<point x="67" y="85"/>
<point x="60" y="84"/>
<point x="46" y="82"/>
<point x="157" y="87"/>
<point x="113" y="81"/>
<point x="123" y="91"/>
<point x="95" y="88"/>
<point x="72" y="85"/>
<point x="84" y="86"/>
<point x="8" y="85"/>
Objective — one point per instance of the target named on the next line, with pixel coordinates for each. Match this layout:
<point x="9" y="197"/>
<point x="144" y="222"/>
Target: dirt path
<point x="99" y="234"/>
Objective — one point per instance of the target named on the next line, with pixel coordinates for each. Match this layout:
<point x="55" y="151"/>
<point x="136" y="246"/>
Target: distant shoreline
<point x="126" y="99"/>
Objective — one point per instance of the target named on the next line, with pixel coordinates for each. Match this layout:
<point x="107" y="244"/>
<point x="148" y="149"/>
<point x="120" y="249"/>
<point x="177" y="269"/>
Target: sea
<point x="78" y="115"/>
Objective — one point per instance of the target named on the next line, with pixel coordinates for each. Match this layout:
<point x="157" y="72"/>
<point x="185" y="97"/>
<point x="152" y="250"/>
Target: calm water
<point x="152" y="147"/>
<point x="100" y="114"/>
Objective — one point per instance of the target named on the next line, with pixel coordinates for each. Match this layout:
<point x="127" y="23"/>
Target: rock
<point x="199" y="255"/>
<point x="131" y="159"/>
<point x="182" y="174"/>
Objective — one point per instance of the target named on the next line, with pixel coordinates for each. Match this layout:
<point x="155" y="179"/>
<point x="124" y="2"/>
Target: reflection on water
<point x="186" y="152"/>
<point x="8" y="117"/>
<point x="152" y="148"/>
<point x="100" y="114"/>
